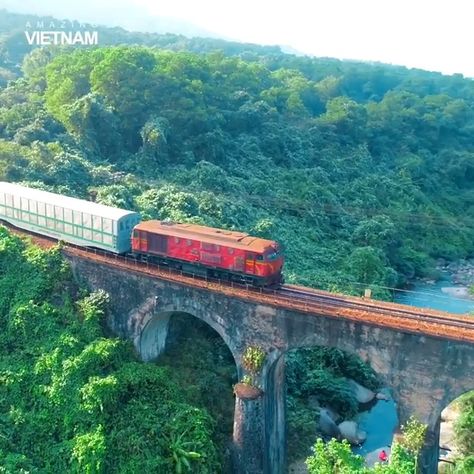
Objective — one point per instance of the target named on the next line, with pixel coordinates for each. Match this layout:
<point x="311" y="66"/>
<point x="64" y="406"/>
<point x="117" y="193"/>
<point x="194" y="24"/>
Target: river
<point x="426" y="295"/>
<point x="380" y="420"/>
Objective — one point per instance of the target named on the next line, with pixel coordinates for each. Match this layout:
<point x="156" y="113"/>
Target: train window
<point x="58" y="213"/>
<point x="272" y="256"/>
<point x="106" y="225"/>
<point x="121" y="226"/>
<point x="260" y="257"/>
<point x="97" y="223"/>
<point x="77" y="218"/>
<point x="188" y="242"/>
<point x="135" y="234"/>
<point x="230" y="251"/>
<point x="176" y="239"/>
<point x="68" y="215"/>
<point x="86" y="220"/>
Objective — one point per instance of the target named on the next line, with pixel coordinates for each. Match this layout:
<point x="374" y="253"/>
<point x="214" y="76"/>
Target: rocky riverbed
<point x="331" y="424"/>
<point x="462" y="271"/>
<point x="451" y="292"/>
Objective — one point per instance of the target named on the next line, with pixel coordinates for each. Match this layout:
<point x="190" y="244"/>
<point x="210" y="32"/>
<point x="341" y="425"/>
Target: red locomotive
<point x="210" y="252"/>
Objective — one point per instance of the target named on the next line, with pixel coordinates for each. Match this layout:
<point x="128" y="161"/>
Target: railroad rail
<point x="437" y="317"/>
<point x="301" y="299"/>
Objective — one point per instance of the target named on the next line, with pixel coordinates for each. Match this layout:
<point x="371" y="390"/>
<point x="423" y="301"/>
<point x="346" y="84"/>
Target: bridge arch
<point x="448" y="418"/>
<point x="150" y="340"/>
<point x="274" y="385"/>
<point x="201" y="356"/>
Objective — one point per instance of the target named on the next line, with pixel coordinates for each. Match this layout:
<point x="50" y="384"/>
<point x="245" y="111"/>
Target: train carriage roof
<point x="210" y="235"/>
<point x="66" y="202"/>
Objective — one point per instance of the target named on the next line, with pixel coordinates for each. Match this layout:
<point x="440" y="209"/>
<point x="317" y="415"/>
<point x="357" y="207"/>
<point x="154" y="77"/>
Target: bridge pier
<point x="151" y="341"/>
<point x="430" y="453"/>
<point x="275" y="418"/>
<point x="260" y="423"/>
<point x="248" y="455"/>
<point x="425" y="404"/>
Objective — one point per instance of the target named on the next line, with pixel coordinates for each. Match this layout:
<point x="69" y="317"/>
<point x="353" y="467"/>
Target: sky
<point x="436" y="35"/>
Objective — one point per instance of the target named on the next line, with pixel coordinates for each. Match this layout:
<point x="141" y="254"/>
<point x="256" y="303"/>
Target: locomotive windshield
<point x="272" y="254"/>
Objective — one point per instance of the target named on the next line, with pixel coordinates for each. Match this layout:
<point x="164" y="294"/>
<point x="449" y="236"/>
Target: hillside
<point x="363" y="171"/>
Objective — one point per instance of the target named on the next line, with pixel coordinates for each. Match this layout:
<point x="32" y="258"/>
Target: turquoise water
<point x="379" y="422"/>
<point x="430" y="296"/>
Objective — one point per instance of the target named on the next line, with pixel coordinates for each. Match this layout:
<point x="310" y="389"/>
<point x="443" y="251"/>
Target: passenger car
<point x="65" y="218"/>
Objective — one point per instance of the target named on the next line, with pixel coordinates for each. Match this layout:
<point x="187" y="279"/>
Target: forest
<point x="363" y="171"/>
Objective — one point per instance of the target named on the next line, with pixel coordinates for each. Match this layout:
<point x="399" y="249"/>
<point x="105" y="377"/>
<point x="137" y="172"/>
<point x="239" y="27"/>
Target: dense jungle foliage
<point x="363" y="171"/>
<point x="464" y="435"/>
<point x="74" y="400"/>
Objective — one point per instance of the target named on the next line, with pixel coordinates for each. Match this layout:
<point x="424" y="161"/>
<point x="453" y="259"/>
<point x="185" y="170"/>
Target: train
<point x="196" y="249"/>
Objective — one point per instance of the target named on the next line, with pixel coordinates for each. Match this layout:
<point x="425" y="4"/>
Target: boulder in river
<point x="327" y="424"/>
<point x="362" y="394"/>
<point x="456" y="291"/>
<point x="351" y="432"/>
<point x="446" y="436"/>
<point x="333" y="414"/>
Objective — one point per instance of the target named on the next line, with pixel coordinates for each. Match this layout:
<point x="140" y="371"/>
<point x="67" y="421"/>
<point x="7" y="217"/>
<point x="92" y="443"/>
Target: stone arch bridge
<point x="425" y="372"/>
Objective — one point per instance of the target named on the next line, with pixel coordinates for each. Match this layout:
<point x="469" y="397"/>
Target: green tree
<point x="464" y="426"/>
<point x="124" y="77"/>
<point x="366" y="265"/>
<point x="414" y="433"/>
<point x="334" y="457"/>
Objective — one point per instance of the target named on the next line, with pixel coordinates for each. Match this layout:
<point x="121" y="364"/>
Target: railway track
<point x="293" y="297"/>
<point x="437" y="317"/>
